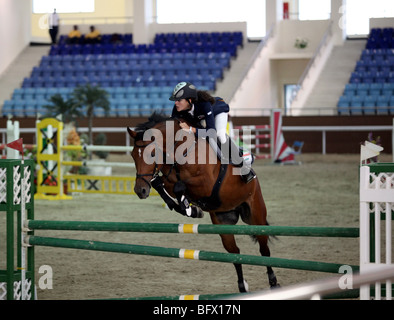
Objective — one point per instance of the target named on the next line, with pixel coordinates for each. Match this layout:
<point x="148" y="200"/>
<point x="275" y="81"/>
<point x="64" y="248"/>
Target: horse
<point x="232" y="198"/>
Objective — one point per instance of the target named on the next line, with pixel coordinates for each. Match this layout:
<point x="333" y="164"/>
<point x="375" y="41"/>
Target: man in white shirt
<point x="53" y="21"/>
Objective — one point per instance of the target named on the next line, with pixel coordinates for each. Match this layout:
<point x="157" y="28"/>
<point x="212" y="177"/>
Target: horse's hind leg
<point x="230" y="245"/>
<point x="257" y="215"/>
<point x="265" y="251"/>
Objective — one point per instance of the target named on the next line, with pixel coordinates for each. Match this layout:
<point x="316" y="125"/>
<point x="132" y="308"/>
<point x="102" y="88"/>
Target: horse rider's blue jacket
<point x="203" y="110"/>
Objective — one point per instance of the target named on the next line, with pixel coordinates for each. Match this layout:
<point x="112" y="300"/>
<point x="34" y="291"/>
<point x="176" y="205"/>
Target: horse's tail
<point x="270" y="238"/>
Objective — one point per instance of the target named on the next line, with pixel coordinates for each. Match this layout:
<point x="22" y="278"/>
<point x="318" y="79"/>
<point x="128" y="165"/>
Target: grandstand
<point x="371" y="86"/>
<point x="337" y="80"/>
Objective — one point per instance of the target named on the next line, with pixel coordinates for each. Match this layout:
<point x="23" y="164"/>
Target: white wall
<point x="14" y="30"/>
<point x="381" y="23"/>
<point x="278" y="64"/>
<point x="256" y="90"/>
<point x="289" y="30"/>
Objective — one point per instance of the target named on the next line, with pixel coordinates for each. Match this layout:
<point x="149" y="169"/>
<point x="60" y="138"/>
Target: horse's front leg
<point x="158" y="184"/>
<point x="228" y="241"/>
<point x="178" y="205"/>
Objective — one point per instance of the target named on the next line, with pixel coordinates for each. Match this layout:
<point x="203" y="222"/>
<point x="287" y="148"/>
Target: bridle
<point x="157" y="169"/>
<point x="155" y="172"/>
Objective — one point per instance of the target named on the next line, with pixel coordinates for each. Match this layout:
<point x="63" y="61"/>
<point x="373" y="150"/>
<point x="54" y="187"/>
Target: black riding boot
<point x="249" y="174"/>
<point x="233" y="154"/>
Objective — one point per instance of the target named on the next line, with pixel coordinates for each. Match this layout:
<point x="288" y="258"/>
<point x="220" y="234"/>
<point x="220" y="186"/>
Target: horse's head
<point x="148" y="153"/>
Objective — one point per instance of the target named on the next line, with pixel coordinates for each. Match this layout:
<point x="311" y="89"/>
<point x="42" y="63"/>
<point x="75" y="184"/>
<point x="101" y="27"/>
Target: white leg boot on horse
<point x="186" y="207"/>
<point x="183" y="206"/>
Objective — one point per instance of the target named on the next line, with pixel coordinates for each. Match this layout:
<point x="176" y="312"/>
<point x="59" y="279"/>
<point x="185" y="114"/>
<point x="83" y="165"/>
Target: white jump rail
<point x="320" y="288"/>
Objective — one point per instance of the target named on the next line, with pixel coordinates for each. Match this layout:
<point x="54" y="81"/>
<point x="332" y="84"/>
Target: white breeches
<point x="221" y="126"/>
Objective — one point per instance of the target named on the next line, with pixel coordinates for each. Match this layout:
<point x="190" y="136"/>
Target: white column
<point x="143" y="18"/>
<point x="338" y="16"/>
<point x="274" y="13"/>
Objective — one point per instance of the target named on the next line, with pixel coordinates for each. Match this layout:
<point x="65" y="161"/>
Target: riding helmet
<point x="184" y="90"/>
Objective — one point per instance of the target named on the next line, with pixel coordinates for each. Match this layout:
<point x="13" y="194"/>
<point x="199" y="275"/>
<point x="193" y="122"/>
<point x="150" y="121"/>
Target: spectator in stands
<point x="93" y="36"/>
<point x="74" y="35"/>
<point x="53" y="21"/>
<point x="116" y="38"/>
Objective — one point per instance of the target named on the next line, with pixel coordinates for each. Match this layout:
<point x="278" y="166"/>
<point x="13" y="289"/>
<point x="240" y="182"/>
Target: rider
<point x="202" y="110"/>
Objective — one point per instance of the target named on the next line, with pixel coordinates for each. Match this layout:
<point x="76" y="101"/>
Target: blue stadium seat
<point x="30" y="109"/>
<point x="375" y="88"/>
<point x="343" y="107"/>
<point x="383" y="100"/>
<point x="370" y="99"/>
<point x="369" y="108"/>
<point x="18" y="94"/>
<point x="362" y="92"/>
<point x="345" y="99"/>
<point x="133" y="110"/>
<point x="355" y="108"/>
<point x="19" y="108"/>
<point x="122" y="110"/>
<point x="8" y="107"/>
<point x="145" y="109"/>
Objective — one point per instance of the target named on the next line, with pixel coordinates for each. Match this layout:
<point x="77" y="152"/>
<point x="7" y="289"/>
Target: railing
<point x="265" y="112"/>
<point x="3" y="133"/>
<point x="322" y="129"/>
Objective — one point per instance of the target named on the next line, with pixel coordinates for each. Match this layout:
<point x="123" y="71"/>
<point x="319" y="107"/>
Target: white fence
<point x="376" y="205"/>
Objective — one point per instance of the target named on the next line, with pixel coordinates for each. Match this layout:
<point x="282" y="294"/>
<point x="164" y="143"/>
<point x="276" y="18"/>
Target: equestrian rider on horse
<point x="204" y="112"/>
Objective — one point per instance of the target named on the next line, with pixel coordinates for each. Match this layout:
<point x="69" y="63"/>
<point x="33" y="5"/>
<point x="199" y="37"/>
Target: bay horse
<point x="233" y="199"/>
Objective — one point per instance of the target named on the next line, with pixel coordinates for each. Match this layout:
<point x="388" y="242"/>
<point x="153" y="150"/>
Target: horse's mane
<point x="153" y="120"/>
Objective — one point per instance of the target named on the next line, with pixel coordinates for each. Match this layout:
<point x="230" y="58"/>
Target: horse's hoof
<point x="272" y="280"/>
<point x="243" y="286"/>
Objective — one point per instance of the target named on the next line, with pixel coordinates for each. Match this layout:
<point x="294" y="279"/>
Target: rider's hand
<point x="186" y="127"/>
